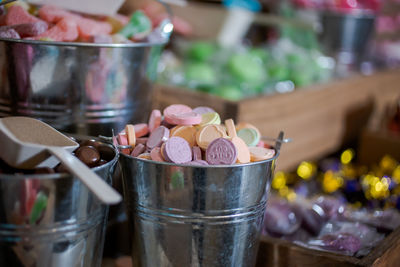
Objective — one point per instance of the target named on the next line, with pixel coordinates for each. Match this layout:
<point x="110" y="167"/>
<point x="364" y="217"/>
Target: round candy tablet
<point x="189" y="118"/>
<point x="130" y="134"/>
<point x="175" y="110"/>
<point x="141" y="129"/>
<point x="157" y="137"/>
<point x="177" y="150"/>
<point x="261" y="153"/>
<point x="207" y="134"/>
<point x="203" y="110"/>
<point x="139" y="149"/>
<point x="230" y="128"/>
<point x="186" y="132"/>
<point x="144" y="156"/>
<point x="210" y="118"/>
<point x="154" y="120"/>
<point x="242" y="150"/>
<point x="198" y="163"/>
<point x="242" y="125"/>
<point x="196" y="153"/>
<point x="221" y="151"/>
<point x="250" y="136"/>
<point x="156" y="154"/>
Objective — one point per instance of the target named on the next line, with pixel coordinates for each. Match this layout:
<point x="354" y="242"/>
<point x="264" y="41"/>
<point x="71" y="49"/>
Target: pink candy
<point x="17" y="15"/>
<point x="64" y="30"/>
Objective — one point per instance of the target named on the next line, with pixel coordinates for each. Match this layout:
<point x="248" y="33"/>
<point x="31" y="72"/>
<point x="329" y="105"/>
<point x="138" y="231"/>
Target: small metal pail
<point x="83" y="88"/>
<point x="53" y="219"/>
<point x="183" y="215"/>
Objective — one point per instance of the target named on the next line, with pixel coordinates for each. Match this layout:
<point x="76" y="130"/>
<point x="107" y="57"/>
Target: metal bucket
<point x="183" y="215"/>
<point x="69" y="230"/>
<point x="82" y="88"/>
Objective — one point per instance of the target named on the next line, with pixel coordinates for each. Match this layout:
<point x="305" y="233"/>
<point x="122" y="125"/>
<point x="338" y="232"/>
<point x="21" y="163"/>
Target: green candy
<point x="229" y="92"/>
<point x="279" y="72"/>
<point x="246" y="68"/>
<point x="250" y="136"/>
<point x="138" y="26"/>
<point x="38" y="207"/>
<point x="201" y="51"/>
<point x="200" y="73"/>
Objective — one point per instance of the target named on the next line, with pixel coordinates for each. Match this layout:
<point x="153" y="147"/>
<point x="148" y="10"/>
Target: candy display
<point x="208" y="67"/>
<point x="193" y="136"/>
<point x="337" y="205"/>
<point x="50" y="23"/>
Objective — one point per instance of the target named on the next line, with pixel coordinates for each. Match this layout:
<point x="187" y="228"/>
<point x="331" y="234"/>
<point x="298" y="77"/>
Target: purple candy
<point x="196" y="153"/>
<point x="9" y="33"/>
<point x="101" y="39"/>
<point x="177" y="150"/>
<point x="199" y="163"/>
<point x="27" y="29"/>
<point x="342" y="242"/>
<point x="203" y="110"/>
<point x="157" y="137"/>
<point x="279" y="219"/>
<point x="139" y="149"/>
<point x="221" y="151"/>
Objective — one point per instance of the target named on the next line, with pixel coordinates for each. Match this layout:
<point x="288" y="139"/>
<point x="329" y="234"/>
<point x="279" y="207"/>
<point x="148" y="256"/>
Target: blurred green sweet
<point x="229" y="92"/>
<point x="278" y="72"/>
<point x="139" y="25"/>
<point x="201" y="51"/>
<point x="260" y="53"/>
<point x="246" y="68"/>
<point x="200" y="74"/>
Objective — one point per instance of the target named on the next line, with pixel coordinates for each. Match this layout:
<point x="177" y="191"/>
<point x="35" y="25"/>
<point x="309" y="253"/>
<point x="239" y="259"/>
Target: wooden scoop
<point x="26" y="143"/>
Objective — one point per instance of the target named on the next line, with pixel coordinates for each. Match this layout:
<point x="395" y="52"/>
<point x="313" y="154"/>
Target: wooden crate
<point x="319" y="119"/>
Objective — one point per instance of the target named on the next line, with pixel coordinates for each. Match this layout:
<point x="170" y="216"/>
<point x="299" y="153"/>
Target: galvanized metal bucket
<point x="66" y="228"/>
<point x="82" y="88"/>
<point x="195" y="215"/>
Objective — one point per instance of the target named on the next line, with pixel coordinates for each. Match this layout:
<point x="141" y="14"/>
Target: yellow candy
<point x="210" y="118"/>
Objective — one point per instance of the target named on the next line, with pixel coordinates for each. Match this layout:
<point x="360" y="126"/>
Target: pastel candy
<point x="28" y="29"/>
<point x="196" y="153"/>
<point x="18" y="15"/>
<point x="210" y="118"/>
<point x="203" y="110"/>
<point x="207" y="134"/>
<point x="157" y="137"/>
<point x="173" y="110"/>
<point x="139" y="149"/>
<point x="130" y="134"/>
<point x="123" y="141"/>
<point x="177" y="150"/>
<point x="199" y="163"/>
<point x="156" y="154"/>
<point x="144" y="156"/>
<point x="221" y="151"/>
<point x="9" y="33"/>
<point x="189" y="118"/>
<point x="186" y="132"/>
<point x="155" y="120"/>
<point x="249" y="135"/>
<point x="139" y="26"/>
<point x="64" y="30"/>
<point x="141" y="129"/>
<point x="142" y="140"/>
<point x="242" y="125"/>
<point x="243" y="153"/>
<point x="101" y="39"/>
<point x="261" y="153"/>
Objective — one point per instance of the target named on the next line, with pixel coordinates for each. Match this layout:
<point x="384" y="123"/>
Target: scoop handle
<point x="96" y="185"/>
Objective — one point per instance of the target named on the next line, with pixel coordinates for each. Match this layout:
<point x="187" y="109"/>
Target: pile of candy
<point x="194" y="137"/>
<point x="340" y="5"/>
<point x="239" y="72"/>
<point x="49" y="23"/>
<point x="336" y="205"/>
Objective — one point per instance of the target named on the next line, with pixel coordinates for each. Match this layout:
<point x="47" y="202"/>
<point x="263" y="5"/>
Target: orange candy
<point x="242" y="148"/>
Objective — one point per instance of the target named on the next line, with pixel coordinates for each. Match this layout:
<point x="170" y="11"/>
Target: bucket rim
<point x="78" y="44"/>
<point x="4" y="177"/>
<point x="277" y="152"/>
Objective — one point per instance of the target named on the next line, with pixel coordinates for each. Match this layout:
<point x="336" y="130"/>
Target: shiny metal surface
<point x="195" y="215"/>
<point x="69" y="231"/>
<point x="78" y="87"/>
